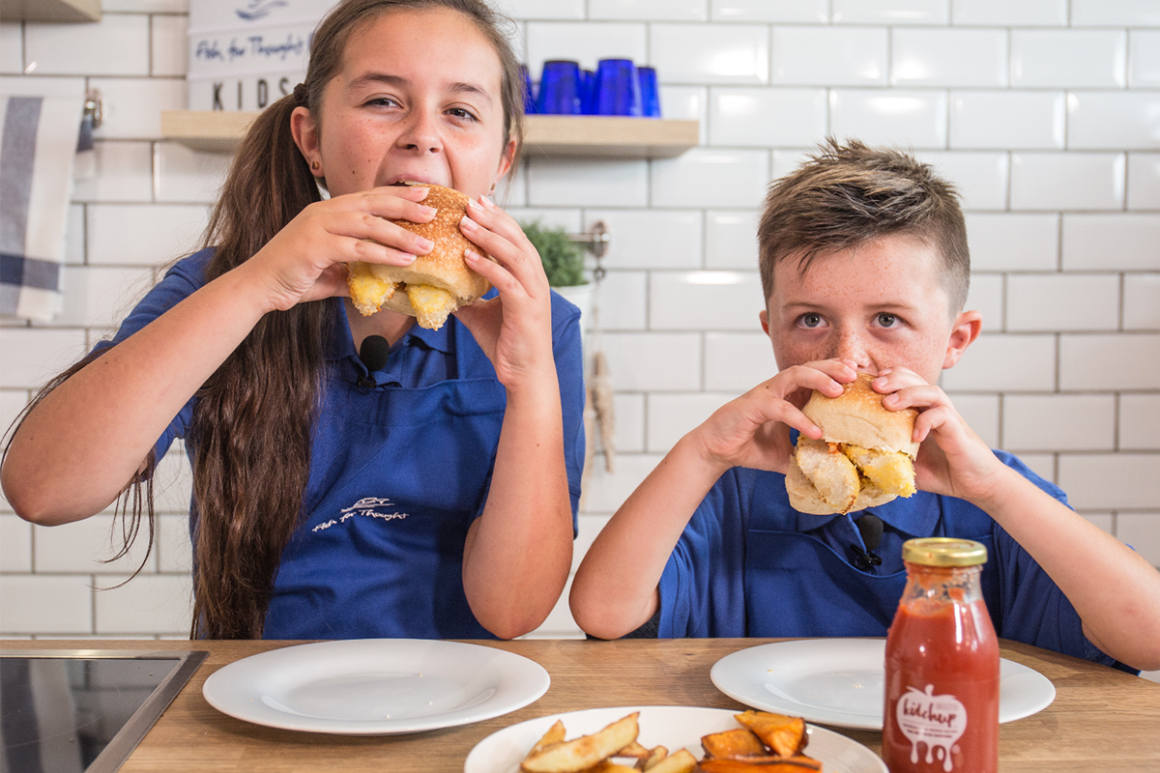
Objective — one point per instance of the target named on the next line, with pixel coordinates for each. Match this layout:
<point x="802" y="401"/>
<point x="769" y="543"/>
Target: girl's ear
<point x="968" y="325"/>
<point x="304" y="129"/>
<point x="506" y="159"/>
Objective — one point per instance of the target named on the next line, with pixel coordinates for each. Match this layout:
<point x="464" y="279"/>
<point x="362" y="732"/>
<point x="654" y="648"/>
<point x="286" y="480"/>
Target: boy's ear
<point x="968" y="325"/>
<point x="764" y="317"/>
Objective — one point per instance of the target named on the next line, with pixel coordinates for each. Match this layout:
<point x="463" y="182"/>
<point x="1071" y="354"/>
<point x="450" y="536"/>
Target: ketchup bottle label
<point x="937" y="721"/>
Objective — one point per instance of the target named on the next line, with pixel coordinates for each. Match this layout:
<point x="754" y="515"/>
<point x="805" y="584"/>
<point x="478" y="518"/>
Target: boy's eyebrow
<point x="457" y="87"/>
<point x="885" y="306"/>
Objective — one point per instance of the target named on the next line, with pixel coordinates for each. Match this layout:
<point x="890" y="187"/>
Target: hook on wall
<point x="95" y="107"/>
<point x="596" y="240"/>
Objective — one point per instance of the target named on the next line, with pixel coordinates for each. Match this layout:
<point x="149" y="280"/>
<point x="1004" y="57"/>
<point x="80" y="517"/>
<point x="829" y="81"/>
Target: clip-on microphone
<point x="870" y="527"/>
<point x="374" y="353"/>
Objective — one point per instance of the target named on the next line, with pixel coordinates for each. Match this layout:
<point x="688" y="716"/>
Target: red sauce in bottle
<point x="942" y="665"/>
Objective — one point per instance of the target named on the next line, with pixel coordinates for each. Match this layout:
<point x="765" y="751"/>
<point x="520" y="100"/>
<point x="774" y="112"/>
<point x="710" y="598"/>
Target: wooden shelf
<point x="545" y="135"/>
<point x="50" y="10"/>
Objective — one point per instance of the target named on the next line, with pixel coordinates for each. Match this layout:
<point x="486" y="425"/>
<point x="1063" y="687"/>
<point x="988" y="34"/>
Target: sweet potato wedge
<point x="733" y="745"/>
<point x="786" y="736"/>
<point x="771" y="765"/>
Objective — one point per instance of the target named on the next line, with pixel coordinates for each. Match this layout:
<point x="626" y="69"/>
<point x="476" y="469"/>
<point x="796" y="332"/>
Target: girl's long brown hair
<point x="250" y="437"/>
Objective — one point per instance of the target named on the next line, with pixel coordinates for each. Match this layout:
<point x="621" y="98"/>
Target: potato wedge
<point x="584" y="752"/>
<point x="785" y="735"/>
<point x="554" y="735"/>
<point x="678" y="762"/>
<point x="608" y="766"/>
<point x="634" y="750"/>
<point x="654" y="757"/>
<point x="733" y="745"/>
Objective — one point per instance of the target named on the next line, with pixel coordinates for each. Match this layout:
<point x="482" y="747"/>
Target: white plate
<point x="673" y="727"/>
<point x="840" y="681"/>
<point x="375" y="686"/>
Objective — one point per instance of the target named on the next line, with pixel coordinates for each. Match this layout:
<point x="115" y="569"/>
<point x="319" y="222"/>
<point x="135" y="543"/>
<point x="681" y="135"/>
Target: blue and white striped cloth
<point x="37" y="153"/>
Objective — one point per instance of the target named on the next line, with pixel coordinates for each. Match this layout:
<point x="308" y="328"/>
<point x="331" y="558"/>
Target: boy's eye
<point x="887" y="320"/>
<point x="811" y="320"/>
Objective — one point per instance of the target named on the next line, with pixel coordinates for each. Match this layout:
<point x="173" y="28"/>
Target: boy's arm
<point x="615" y="588"/>
<point x="1113" y="589"/>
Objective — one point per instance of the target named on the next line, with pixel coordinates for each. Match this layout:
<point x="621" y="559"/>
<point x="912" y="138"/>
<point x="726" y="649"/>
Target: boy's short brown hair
<point x="847" y="195"/>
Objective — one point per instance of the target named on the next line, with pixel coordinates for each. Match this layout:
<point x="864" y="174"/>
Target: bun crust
<point x="443" y="267"/>
<point x="858" y="418"/>
<point x="828" y="475"/>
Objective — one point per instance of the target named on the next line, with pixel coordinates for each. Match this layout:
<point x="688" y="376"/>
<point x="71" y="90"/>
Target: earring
<point x="315" y="166"/>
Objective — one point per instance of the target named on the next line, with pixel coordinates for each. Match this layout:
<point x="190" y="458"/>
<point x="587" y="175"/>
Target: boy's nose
<point x="851" y="347"/>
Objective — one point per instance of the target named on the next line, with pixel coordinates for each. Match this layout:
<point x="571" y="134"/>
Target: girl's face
<point x="417" y="98"/>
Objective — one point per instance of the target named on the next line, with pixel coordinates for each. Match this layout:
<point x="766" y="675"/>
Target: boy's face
<point x="881" y="304"/>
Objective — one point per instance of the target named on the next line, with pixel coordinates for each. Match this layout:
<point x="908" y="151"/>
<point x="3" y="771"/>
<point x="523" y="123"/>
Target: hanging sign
<point x="245" y="54"/>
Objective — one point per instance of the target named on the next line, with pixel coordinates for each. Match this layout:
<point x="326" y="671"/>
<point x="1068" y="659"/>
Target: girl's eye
<point x="887" y="320"/>
<point x="382" y="102"/>
<point x="811" y="320"/>
<point x="459" y="112"/>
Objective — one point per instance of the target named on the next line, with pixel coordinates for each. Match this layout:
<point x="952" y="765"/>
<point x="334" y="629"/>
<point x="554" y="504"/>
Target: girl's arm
<point x="519" y="551"/>
<point x="78" y="449"/>
<point x="82" y="444"/>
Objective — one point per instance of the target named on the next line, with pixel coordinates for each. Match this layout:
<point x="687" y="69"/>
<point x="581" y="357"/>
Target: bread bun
<point x="435" y="284"/>
<point x="857" y="417"/>
<point x="864" y="459"/>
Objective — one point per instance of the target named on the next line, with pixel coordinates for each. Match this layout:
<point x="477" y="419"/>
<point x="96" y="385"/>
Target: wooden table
<point x="1101" y="719"/>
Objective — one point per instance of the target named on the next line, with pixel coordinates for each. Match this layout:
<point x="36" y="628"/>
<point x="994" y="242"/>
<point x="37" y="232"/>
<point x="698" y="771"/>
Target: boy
<point x="865" y="268"/>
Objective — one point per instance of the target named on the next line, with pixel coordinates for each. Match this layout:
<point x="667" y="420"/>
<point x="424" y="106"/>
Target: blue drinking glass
<point x="560" y="88"/>
<point x="617" y="88"/>
<point x="650" y="104"/>
<point x="529" y="98"/>
<point x="587" y="92"/>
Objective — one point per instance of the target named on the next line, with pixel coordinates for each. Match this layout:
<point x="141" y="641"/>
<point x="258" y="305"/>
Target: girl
<point x="433" y="498"/>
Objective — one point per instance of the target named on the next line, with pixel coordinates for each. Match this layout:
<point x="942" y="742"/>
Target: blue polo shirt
<point x="399" y="471"/>
<point x="748" y="564"/>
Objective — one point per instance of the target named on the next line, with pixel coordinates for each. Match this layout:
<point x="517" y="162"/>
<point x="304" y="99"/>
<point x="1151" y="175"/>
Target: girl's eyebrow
<point x="397" y="81"/>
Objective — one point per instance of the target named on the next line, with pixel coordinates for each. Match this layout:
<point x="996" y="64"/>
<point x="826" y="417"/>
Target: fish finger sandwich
<point x="865" y="457"/>
<point x="434" y="285"/>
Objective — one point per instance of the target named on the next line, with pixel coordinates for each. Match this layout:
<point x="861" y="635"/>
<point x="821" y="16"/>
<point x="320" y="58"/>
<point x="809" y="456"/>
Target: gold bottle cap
<point x="944" y="551"/>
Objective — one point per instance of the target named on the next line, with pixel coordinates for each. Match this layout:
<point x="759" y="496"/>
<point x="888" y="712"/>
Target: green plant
<point x="563" y="258"/>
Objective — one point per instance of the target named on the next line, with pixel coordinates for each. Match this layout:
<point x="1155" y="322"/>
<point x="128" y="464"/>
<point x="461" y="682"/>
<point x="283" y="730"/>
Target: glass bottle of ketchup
<point x="942" y="665"/>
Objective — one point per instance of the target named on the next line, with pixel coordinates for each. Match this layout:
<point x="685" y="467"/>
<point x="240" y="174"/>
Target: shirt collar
<point x="914" y="515"/>
<point x="340" y="343"/>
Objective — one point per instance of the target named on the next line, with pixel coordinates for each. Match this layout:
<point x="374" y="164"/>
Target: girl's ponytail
<point x="269" y="183"/>
<point x="252" y="425"/>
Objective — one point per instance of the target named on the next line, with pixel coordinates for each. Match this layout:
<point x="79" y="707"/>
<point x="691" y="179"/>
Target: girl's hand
<point x="305" y="260"/>
<point x="952" y="460"/>
<point x="753" y="430"/>
<point x="515" y="329"/>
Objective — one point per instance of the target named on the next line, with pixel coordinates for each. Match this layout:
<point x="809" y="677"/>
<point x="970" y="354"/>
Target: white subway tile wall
<point x="1044" y="113"/>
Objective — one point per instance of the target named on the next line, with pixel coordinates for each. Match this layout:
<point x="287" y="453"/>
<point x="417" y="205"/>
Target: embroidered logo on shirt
<point x="367" y="506"/>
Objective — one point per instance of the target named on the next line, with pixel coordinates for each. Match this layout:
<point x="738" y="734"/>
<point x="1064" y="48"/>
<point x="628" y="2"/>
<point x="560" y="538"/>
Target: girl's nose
<point x="420" y="134"/>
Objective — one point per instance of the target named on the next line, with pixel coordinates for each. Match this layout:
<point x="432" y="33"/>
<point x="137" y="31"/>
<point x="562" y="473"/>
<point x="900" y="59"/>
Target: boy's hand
<point x="753" y="430"/>
<point x="952" y="460"/>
